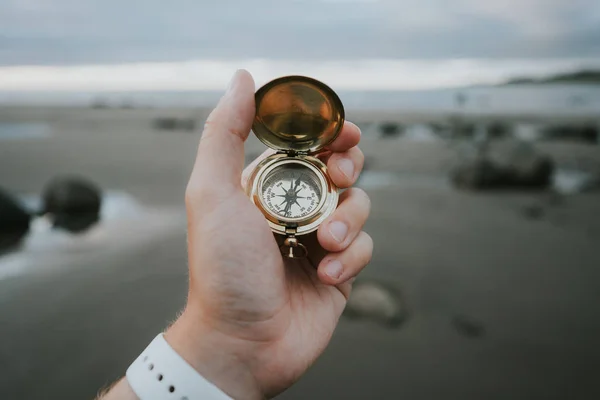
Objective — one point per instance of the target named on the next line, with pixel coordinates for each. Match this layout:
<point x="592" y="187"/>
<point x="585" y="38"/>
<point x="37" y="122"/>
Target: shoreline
<point x="52" y="113"/>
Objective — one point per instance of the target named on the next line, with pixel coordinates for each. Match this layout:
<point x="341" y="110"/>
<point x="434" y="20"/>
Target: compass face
<point x="292" y="191"/>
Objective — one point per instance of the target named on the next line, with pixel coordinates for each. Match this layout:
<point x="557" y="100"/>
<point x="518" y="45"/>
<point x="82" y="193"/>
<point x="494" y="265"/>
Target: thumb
<point x="220" y="157"/>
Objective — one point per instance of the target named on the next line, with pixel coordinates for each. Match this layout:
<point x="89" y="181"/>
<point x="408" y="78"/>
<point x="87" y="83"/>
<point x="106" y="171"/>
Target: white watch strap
<point x="159" y="373"/>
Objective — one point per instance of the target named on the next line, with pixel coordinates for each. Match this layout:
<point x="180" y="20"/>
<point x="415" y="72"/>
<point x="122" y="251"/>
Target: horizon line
<point x="213" y="74"/>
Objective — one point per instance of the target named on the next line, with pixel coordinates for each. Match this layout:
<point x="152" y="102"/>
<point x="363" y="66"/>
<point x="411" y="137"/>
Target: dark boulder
<point x="534" y="173"/>
<point x="533" y="211"/>
<point x="468" y="327"/>
<point x="14" y="222"/>
<point x="174" y="124"/>
<point x="505" y="164"/>
<point x="525" y="167"/>
<point x="390" y="129"/>
<point x="585" y="133"/>
<point x="99" y="103"/>
<point x="461" y="129"/>
<point x="477" y="174"/>
<point x="499" y="129"/>
<point x="72" y="203"/>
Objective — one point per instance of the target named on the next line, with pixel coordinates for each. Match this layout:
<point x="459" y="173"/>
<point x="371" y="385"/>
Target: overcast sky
<point x="75" y="32"/>
<point x="99" y="31"/>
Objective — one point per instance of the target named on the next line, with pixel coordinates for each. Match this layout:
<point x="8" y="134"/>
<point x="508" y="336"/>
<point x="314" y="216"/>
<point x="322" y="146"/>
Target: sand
<point x="529" y="283"/>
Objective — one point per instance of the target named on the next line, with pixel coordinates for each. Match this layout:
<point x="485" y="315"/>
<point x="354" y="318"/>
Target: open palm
<point x="272" y="316"/>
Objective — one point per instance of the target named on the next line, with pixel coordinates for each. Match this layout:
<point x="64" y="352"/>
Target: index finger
<point x="347" y="139"/>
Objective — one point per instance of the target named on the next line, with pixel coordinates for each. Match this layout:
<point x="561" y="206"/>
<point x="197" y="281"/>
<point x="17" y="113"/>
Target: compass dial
<point x="291" y="191"/>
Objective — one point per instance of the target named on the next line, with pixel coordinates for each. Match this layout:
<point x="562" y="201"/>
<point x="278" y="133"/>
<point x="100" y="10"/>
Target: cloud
<point x="114" y="31"/>
<point x="540" y="18"/>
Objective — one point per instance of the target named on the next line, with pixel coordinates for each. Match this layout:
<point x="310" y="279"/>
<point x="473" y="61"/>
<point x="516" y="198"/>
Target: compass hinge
<point x="293" y="153"/>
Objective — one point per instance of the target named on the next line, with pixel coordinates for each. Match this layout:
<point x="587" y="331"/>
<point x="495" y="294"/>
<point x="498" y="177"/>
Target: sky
<point x="197" y="44"/>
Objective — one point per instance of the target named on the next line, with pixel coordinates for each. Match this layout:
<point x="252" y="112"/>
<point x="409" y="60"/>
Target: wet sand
<point x="530" y="284"/>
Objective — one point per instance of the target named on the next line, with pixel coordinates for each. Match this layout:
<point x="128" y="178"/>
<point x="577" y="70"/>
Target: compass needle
<point x="299" y="180"/>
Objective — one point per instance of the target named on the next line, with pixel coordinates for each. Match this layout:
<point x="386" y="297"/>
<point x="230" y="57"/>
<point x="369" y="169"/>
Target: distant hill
<point x="584" y="76"/>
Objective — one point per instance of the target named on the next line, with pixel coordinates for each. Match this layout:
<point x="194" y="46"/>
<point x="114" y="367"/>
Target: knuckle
<point x="218" y="121"/>
<point x="211" y="119"/>
<point x="238" y="133"/>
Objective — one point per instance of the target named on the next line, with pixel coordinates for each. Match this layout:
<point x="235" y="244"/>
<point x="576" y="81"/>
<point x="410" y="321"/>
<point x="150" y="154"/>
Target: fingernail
<point x="334" y="269"/>
<point x="347" y="167"/>
<point x="338" y="230"/>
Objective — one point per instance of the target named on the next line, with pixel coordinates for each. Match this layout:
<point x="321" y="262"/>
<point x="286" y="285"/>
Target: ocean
<point x="571" y="99"/>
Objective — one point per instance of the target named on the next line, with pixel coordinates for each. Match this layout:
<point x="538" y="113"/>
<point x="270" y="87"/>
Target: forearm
<point x="213" y="358"/>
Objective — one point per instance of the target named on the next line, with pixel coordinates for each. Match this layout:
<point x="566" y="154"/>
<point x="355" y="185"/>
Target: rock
<point x="127" y="104"/>
<point x="165" y="124"/>
<point x="390" y="129"/>
<point x="441" y="129"/>
<point x="499" y="129"/>
<point x="533" y="211"/>
<point x="461" y="128"/>
<point x="526" y="167"/>
<point x="99" y="103"/>
<point x="174" y="124"/>
<point x="377" y="302"/>
<point x="502" y="165"/>
<point x="72" y="203"/>
<point x="468" y="327"/>
<point x="14" y="222"/>
<point x="555" y="199"/>
<point x="478" y="174"/>
<point x="585" y="133"/>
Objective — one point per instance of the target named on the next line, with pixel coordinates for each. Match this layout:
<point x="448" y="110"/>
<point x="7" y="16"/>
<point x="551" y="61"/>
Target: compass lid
<point x="297" y="113"/>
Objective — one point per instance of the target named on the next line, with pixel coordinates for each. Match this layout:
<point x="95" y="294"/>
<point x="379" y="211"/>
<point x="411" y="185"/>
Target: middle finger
<point x="344" y="168"/>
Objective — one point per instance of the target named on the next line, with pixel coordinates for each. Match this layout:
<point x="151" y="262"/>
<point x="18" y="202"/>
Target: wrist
<point x="215" y="356"/>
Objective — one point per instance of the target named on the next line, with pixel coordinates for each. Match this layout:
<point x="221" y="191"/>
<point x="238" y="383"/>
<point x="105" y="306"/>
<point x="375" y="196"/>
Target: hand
<point x="254" y="322"/>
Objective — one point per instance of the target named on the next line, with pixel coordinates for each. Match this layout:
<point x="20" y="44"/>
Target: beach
<point x="500" y="303"/>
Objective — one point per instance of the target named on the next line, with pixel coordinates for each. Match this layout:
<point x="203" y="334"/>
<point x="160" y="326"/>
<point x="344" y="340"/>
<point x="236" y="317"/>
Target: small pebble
<point x="533" y="211"/>
<point x="377" y="302"/>
<point x="468" y="326"/>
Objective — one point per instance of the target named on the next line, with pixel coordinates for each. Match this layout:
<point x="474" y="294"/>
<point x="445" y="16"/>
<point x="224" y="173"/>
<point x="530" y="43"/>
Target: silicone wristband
<point x="159" y="373"/>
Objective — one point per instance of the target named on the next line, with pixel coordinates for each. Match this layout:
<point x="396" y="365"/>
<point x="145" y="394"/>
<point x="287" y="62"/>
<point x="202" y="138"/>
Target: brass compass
<point x="298" y="117"/>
